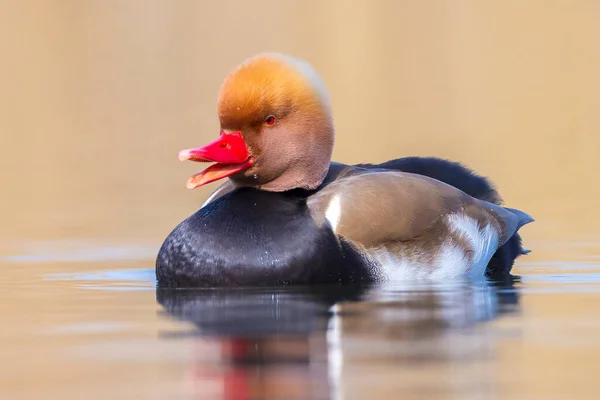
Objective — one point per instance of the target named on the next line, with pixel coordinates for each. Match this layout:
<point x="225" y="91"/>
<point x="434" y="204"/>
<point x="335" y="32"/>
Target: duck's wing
<point x="450" y="172"/>
<point x="371" y="208"/>
<point x="467" y="180"/>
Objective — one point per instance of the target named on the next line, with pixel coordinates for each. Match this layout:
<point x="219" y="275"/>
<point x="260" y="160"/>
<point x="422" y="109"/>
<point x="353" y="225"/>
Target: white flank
<point x="484" y="242"/>
<point x="451" y="260"/>
<point x="396" y="268"/>
<point x="334" y="212"/>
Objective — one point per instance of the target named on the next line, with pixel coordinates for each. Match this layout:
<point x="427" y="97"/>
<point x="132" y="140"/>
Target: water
<point x="106" y="331"/>
<point x="97" y="100"/>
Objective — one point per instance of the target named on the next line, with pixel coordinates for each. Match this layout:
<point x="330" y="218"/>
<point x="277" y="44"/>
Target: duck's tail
<point x="522" y="217"/>
<point x="502" y="261"/>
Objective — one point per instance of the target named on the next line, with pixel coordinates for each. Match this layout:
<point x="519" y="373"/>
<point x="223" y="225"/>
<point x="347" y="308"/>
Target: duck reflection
<point x="300" y="343"/>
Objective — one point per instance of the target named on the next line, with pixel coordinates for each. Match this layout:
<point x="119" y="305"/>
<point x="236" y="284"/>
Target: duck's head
<point x="276" y="128"/>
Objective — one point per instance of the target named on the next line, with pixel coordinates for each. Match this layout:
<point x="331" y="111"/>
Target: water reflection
<point x="304" y="342"/>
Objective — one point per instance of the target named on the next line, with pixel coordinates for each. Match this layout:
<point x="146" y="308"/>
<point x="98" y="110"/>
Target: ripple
<point x="123" y="279"/>
<point x="77" y="251"/>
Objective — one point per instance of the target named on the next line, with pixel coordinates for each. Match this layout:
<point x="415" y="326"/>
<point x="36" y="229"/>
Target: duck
<point x="286" y="214"/>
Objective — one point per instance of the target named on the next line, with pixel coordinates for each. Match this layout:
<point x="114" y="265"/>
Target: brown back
<point x="376" y="207"/>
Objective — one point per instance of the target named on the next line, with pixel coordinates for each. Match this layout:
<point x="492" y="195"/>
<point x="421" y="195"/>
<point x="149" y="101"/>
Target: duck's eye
<point x="270" y="120"/>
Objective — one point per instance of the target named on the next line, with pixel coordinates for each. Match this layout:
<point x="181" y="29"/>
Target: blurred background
<point x="98" y="96"/>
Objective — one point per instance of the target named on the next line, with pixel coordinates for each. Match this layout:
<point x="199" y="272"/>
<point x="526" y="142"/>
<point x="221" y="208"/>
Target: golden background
<point x="97" y="97"/>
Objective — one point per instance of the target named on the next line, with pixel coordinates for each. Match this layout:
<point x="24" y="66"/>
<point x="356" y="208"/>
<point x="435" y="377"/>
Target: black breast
<point x="251" y="237"/>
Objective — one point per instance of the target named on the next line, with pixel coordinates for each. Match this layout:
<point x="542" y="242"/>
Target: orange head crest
<point x="276" y="127"/>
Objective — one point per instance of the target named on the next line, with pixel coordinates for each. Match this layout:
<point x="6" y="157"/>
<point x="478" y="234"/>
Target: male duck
<point x="288" y="215"/>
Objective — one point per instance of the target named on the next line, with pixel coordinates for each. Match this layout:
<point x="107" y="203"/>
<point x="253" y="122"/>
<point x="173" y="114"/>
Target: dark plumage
<point x="254" y="237"/>
<point x="288" y="215"/>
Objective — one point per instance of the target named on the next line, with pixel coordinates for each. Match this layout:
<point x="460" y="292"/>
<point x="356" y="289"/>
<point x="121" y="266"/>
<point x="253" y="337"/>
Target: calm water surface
<point x="100" y="329"/>
<point x="98" y="97"/>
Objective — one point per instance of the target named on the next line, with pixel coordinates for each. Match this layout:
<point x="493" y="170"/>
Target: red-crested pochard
<point x="288" y="215"/>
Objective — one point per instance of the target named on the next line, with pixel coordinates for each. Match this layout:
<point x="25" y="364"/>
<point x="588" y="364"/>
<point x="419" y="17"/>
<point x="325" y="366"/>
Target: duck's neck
<point x="305" y="177"/>
<point x="303" y="160"/>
